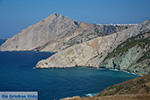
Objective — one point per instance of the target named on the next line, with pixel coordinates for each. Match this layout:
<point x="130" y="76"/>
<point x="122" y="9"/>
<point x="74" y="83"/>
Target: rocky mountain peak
<point x="54" y="16"/>
<point x="57" y="32"/>
<point x="92" y="52"/>
<point x="145" y="26"/>
<point x="44" y="32"/>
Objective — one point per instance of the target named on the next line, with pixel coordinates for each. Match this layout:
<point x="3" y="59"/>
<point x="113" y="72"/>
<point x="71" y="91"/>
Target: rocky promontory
<point x="121" y="47"/>
<point x="83" y="44"/>
<point x="133" y="55"/>
<point x="93" y="52"/>
<point x="79" y="55"/>
<point x="56" y="33"/>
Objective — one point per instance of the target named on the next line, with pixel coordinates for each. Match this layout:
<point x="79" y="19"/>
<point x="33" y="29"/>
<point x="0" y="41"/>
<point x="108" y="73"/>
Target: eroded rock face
<point x="77" y="43"/>
<point x="78" y="55"/>
<point x="133" y="55"/>
<point x="38" y="36"/>
<point x="57" y="32"/>
<point x="123" y="62"/>
<point x="93" y="52"/>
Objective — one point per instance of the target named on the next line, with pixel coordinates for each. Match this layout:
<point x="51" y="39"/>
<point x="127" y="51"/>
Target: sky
<point x="16" y="15"/>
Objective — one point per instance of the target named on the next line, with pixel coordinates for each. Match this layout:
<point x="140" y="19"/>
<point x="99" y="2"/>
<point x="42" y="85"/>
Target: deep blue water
<point x="17" y="74"/>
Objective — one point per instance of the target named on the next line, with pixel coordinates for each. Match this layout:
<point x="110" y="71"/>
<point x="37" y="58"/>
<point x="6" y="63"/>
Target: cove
<point x="17" y="73"/>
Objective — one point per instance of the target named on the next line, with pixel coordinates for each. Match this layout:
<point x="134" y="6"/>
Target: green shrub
<point x="129" y="43"/>
<point x="96" y="30"/>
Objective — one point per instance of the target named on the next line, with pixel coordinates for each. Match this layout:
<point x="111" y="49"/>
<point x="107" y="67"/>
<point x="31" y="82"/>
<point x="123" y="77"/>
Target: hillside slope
<point x="57" y="32"/>
<point x="93" y="52"/>
<point x="139" y="85"/>
<point x="135" y="89"/>
<point x="38" y="35"/>
<point x="133" y="55"/>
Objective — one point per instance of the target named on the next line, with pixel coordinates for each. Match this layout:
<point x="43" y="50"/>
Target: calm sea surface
<point x="17" y="74"/>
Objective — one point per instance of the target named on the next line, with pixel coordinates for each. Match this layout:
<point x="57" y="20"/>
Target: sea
<point x="18" y="73"/>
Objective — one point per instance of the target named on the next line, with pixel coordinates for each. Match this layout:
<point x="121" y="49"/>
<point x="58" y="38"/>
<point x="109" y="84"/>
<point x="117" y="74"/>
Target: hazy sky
<point x="16" y="15"/>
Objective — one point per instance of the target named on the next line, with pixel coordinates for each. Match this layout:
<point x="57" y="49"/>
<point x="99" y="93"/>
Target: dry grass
<point x="136" y="89"/>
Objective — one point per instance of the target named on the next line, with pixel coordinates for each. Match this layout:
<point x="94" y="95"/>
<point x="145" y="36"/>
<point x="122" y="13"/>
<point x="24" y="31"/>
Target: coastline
<point x="91" y="95"/>
<point x="89" y="67"/>
<point x="29" y="51"/>
<point x="95" y="96"/>
<point x="88" y="94"/>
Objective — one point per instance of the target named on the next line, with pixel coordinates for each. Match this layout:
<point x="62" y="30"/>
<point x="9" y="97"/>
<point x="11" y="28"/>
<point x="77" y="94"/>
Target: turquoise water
<point x="17" y="74"/>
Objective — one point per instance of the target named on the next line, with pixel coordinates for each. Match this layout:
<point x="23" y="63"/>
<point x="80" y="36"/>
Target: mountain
<point x="122" y="47"/>
<point x="56" y="33"/>
<point x="93" y="52"/>
<point x="135" y="89"/>
<point x="133" y="55"/>
<point x="83" y="44"/>
<point x="40" y="34"/>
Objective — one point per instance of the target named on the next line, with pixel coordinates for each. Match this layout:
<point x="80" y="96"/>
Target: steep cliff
<point x="93" y="52"/>
<point x="133" y="55"/>
<point x="41" y="34"/>
<point x="57" y="32"/>
<point x="79" y="55"/>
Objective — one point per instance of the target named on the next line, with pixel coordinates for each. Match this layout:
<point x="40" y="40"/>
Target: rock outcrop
<point x="38" y="36"/>
<point x="133" y="55"/>
<point x="57" y="32"/>
<point x="79" y="55"/>
<point x="81" y="44"/>
<point x="93" y="52"/>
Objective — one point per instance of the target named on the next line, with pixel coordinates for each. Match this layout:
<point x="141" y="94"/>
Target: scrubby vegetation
<point x="80" y="38"/>
<point x="138" y="40"/>
<point x="135" y="89"/>
<point x="96" y="30"/>
<point x="135" y="86"/>
<point x="145" y="56"/>
<point x="94" y="33"/>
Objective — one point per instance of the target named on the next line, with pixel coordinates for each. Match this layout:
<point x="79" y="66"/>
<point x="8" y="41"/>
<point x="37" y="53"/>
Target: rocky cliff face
<point x="133" y="55"/>
<point x="93" y="52"/>
<point x="81" y="44"/>
<point x="57" y="32"/>
<point x="41" y="34"/>
<point x="79" y="55"/>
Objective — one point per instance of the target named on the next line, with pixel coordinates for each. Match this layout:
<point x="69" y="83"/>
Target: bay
<point x="17" y="73"/>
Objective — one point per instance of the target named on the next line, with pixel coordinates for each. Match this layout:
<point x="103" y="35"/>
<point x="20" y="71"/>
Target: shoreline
<point x="71" y="66"/>
<point x="91" y="95"/>
<point x="29" y="51"/>
<point x="89" y="67"/>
